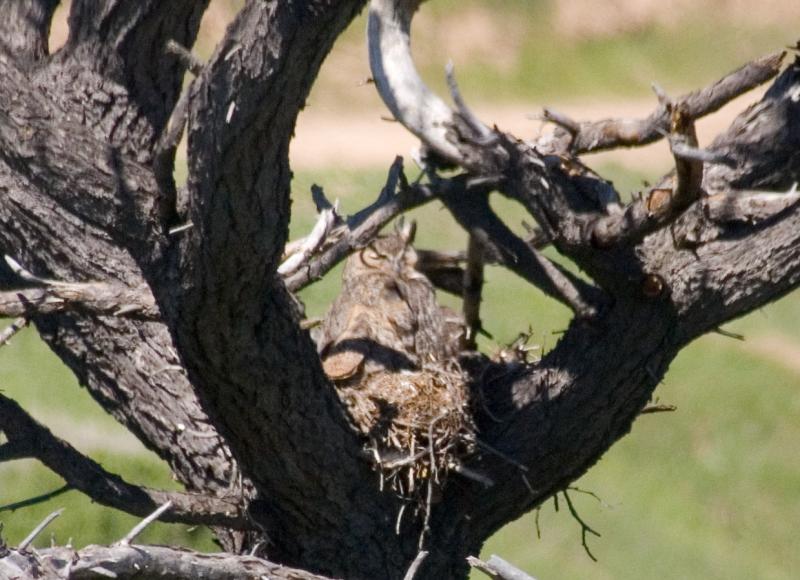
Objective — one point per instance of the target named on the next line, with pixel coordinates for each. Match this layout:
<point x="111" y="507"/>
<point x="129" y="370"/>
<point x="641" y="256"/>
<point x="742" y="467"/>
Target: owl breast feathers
<point x="386" y="317"/>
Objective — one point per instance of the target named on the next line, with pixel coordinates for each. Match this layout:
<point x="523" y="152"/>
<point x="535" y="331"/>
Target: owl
<point x="386" y="318"/>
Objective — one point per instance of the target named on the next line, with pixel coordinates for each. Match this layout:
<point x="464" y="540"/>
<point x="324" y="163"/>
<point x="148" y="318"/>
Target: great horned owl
<point x="386" y="317"/>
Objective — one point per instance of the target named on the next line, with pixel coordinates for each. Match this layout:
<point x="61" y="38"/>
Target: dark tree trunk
<point x="224" y="384"/>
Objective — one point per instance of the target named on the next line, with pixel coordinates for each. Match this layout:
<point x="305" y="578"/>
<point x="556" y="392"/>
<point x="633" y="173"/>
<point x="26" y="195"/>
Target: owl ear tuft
<point x="406" y="229"/>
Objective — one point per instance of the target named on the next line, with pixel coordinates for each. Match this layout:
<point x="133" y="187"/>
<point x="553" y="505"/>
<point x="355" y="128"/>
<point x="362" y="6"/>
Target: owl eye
<point x="371" y="258"/>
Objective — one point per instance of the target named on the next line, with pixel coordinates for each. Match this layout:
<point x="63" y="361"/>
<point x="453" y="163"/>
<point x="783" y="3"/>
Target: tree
<point x="169" y="305"/>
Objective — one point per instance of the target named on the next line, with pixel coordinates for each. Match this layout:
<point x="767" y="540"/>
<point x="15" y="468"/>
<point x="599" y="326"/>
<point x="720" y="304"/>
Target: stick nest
<point x="418" y="424"/>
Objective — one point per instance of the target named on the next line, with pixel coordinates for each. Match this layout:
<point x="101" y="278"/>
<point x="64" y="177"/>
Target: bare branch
<point x="585" y="528"/>
<point x="130" y="562"/>
<point x="688" y="169"/>
<point x="473" y="288"/>
<point x="587" y="137"/>
<point x="13" y="328"/>
<point x="141" y="526"/>
<point x="470" y="118"/>
<point x="185" y="56"/>
<point x="359" y="229"/>
<point x="96" y="297"/>
<point x="476" y="216"/>
<point x="415" y="565"/>
<point x="498" y="569"/>
<point x="651" y="409"/>
<point x="302" y="250"/>
<point x="87" y="476"/>
<point x="396" y="78"/>
<point x="23" y="545"/>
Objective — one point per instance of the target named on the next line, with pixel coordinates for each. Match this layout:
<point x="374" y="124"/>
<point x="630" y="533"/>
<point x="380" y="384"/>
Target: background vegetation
<point x="710" y="491"/>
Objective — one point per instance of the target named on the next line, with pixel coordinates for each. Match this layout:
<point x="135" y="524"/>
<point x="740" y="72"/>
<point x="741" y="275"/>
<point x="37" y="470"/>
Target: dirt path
<point x="327" y="139"/>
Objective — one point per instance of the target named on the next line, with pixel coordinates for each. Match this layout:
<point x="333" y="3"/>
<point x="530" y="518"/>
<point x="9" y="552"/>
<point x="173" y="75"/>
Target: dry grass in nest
<point x="418" y="423"/>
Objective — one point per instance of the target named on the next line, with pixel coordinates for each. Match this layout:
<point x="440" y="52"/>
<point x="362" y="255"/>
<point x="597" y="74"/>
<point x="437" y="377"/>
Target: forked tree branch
<point x="31" y="439"/>
<point x="591" y="136"/>
<point x="396" y="197"/>
<point x="475" y="215"/>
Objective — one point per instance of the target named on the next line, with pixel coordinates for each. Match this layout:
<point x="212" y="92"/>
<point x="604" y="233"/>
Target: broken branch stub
<point x="456" y="136"/>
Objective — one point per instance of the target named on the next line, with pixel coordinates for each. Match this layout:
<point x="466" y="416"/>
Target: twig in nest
<point x="585" y="528"/>
<point x="23" y="545"/>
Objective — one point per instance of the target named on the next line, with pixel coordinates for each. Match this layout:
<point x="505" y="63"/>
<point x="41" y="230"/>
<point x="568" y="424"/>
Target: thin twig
<point x="728" y="333"/>
<point x="361" y="228"/>
<point x="305" y="248"/>
<point x="506" y="570"/>
<point x="592" y="136"/>
<point x="498" y="569"/>
<point x="584" y="526"/>
<point x="415" y="565"/>
<point x="475" y="476"/>
<point x="23" y="545"/>
<point x="140" y="527"/>
<point x="8" y="333"/>
<point x="483" y="135"/>
<point x="185" y="56"/>
<point x="650" y="409"/>
<point x="473" y="288"/>
<point x="501" y="455"/>
<point x="474" y="214"/>
<point x="587" y="492"/>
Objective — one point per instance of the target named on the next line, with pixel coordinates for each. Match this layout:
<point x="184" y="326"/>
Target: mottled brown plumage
<point x="386" y="317"/>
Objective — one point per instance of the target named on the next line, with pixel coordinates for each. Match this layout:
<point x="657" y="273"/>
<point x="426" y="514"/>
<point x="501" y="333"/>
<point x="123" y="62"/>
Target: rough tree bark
<point x="217" y="375"/>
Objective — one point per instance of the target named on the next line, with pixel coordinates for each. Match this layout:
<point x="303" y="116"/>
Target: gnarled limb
<point x="592" y="136"/>
<point x="28" y="438"/>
